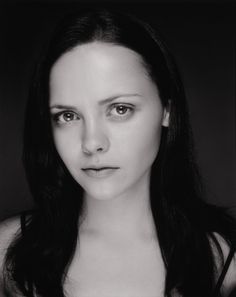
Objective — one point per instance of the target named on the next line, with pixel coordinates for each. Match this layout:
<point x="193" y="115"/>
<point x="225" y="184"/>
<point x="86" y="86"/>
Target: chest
<point x="96" y="272"/>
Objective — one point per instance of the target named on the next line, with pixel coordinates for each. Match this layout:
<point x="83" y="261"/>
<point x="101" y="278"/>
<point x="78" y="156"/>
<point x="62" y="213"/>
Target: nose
<point x="94" y="139"/>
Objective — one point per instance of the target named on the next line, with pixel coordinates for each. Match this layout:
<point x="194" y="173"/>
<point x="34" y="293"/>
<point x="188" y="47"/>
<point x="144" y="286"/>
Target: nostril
<point x="95" y="141"/>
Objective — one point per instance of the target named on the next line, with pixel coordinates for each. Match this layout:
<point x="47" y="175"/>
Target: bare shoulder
<point x="229" y="283"/>
<point x="8" y="230"/>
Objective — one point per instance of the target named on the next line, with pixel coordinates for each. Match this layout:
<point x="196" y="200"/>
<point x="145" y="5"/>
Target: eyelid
<point x="129" y="106"/>
<point x="55" y="115"/>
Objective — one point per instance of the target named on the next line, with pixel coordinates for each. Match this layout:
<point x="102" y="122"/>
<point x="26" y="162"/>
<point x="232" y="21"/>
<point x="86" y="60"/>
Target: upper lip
<point x="99" y="167"/>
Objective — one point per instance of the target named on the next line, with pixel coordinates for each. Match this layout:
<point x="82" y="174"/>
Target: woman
<point x="108" y="155"/>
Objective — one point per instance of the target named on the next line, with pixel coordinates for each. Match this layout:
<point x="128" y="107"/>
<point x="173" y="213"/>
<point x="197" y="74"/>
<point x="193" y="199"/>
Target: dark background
<point x="200" y="35"/>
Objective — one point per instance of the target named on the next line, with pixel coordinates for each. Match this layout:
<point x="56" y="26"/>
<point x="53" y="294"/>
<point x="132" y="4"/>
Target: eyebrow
<point x="112" y="98"/>
<point x="102" y="102"/>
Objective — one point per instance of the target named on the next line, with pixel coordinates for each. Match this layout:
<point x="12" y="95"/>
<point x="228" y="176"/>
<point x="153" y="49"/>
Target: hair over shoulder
<point x="37" y="261"/>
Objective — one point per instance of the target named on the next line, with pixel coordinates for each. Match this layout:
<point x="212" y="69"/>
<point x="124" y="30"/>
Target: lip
<point x="99" y="172"/>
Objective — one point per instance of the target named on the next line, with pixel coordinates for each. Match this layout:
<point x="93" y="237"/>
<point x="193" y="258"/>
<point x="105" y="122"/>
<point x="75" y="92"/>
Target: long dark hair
<point x="185" y="224"/>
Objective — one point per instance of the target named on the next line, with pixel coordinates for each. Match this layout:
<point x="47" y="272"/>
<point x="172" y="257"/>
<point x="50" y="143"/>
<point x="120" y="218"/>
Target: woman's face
<point x="106" y="118"/>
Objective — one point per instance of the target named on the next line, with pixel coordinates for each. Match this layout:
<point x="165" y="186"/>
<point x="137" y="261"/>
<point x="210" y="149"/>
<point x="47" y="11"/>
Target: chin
<point x="102" y="193"/>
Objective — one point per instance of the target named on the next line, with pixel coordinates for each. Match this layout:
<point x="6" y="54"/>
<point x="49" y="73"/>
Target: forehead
<point x="98" y="69"/>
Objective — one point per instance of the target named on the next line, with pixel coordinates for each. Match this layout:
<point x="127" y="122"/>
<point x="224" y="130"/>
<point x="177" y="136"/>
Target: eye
<point x="65" y="117"/>
<point x="121" y="110"/>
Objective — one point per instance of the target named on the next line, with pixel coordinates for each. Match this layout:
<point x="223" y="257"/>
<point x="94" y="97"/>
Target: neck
<point x="128" y="214"/>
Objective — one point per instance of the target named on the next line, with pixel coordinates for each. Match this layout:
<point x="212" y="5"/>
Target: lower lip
<point x="100" y="173"/>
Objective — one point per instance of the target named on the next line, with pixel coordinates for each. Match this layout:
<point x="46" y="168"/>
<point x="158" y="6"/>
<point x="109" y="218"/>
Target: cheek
<point x="66" y="144"/>
<point x="147" y="145"/>
<point x="140" y="143"/>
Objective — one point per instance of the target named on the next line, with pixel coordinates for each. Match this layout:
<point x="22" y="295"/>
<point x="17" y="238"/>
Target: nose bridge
<point x="94" y="137"/>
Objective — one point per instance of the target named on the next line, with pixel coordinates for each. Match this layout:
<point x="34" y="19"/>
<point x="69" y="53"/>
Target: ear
<point x="166" y="115"/>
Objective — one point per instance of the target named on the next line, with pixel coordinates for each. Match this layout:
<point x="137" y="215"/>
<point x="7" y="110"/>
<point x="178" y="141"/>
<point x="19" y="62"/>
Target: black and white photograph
<point x="118" y="148"/>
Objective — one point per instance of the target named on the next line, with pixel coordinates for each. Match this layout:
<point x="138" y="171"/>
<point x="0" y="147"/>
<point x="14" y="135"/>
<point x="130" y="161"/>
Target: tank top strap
<point x="22" y="223"/>
<point x="224" y="272"/>
<point x="24" y="216"/>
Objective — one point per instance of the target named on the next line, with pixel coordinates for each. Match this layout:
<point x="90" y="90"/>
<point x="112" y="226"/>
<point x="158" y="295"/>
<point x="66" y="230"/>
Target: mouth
<point x="99" y="168"/>
<point x="96" y="172"/>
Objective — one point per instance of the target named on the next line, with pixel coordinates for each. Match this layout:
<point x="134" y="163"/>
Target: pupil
<point x="121" y="109"/>
<point x="68" y="116"/>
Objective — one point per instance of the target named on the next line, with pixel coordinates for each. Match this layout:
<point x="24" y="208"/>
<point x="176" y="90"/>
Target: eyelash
<point x="126" y="107"/>
<point x="56" y="116"/>
<point x="129" y="108"/>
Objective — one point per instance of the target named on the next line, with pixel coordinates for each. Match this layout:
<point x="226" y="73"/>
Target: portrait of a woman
<point x="109" y="158"/>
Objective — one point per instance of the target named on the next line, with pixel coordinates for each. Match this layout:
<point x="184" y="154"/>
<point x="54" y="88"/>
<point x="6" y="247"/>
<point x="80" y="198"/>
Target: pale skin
<point x="116" y="124"/>
<point x="118" y="247"/>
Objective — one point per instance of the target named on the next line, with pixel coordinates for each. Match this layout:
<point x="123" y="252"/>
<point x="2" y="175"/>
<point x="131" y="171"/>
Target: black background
<point x="201" y="35"/>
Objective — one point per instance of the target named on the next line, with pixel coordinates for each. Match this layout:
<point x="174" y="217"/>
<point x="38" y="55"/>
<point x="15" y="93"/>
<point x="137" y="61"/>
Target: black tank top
<point x="220" y="280"/>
